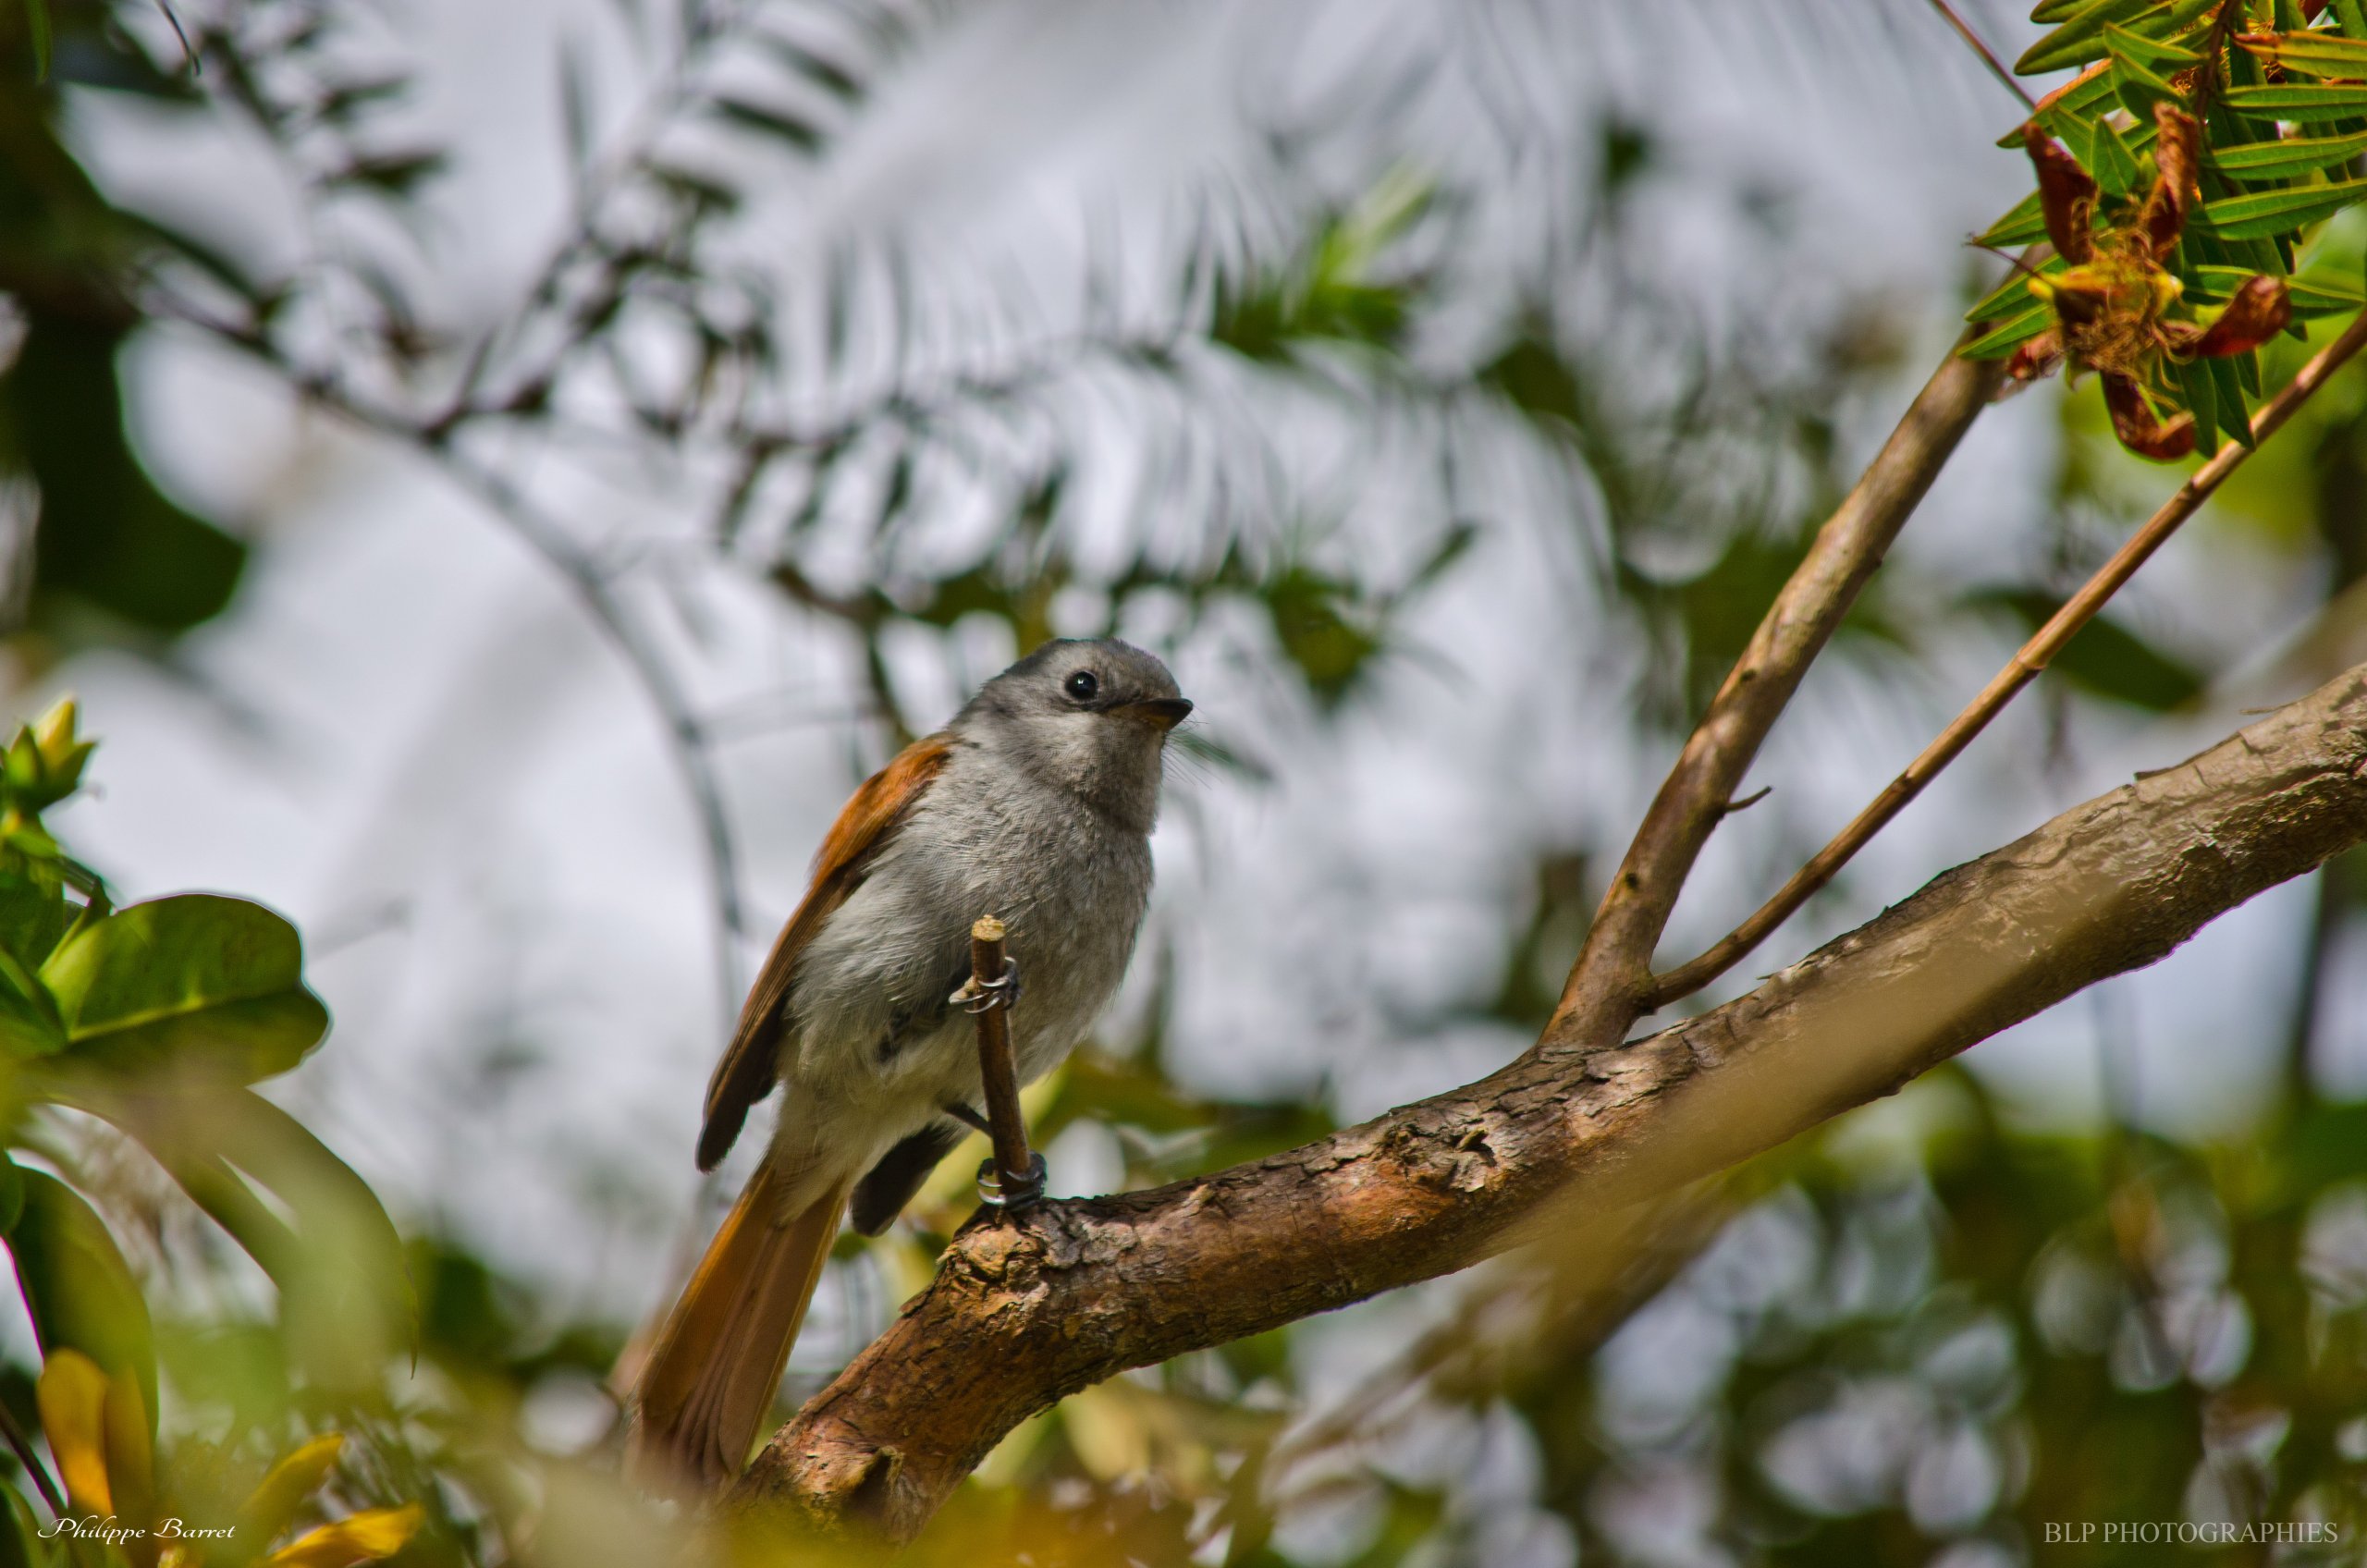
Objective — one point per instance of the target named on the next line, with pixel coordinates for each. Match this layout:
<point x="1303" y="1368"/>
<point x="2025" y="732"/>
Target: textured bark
<point x="1023" y="1312"/>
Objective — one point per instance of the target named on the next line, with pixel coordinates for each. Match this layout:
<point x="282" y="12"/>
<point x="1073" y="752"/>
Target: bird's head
<point x="1091" y="714"/>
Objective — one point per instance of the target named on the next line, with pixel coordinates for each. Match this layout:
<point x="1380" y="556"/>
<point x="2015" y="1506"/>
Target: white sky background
<point x="409" y="738"/>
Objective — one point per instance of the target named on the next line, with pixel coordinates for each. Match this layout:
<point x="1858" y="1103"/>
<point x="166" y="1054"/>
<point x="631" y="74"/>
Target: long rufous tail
<point x="711" y="1376"/>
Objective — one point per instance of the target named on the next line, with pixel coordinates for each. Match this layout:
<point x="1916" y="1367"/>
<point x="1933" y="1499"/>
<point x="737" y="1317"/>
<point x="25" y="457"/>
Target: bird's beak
<point x="1163" y="713"/>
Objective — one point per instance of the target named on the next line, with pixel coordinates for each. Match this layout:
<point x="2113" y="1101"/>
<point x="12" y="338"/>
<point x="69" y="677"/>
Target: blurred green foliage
<point x="110" y="557"/>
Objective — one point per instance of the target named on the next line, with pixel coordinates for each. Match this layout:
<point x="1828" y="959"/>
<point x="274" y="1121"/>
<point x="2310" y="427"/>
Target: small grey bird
<point x="1035" y="804"/>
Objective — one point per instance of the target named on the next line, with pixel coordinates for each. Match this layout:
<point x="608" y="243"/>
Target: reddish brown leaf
<point x="2176" y="153"/>
<point x="2066" y="194"/>
<point x="2140" y="429"/>
<point x="2257" y="314"/>
<point x="2035" y="358"/>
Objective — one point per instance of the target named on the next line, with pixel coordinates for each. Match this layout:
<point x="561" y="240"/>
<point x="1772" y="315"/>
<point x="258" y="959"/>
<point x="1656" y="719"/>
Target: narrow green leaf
<point x="2265" y="213"/>
<point x="2203" y="401"/>
<point x="2316" y="53"/>
<point x="12" y="1194"/>
<point x="2302" y="102"/>
<point x="2022" y="223"/>
<point x="2079" y="39"/>
<point x="2352" y="16"/>
<point x="37" y="30"/>
<point x="2011" y="333"/>
<point x="770" y="122"/>
<point x="2152" y="51"/>
<point x="2079" y="101"/>
<point x="2235" y="408"/>
<point x="200" y="981"/>
<point x="2288" y="157"/>
<point x="2110" y="161"/>
<point x="75" y="1284"/>
<point x="2011" y="296"/>
<point x="2311" y="297"/>
<point x="2140" y="87"/>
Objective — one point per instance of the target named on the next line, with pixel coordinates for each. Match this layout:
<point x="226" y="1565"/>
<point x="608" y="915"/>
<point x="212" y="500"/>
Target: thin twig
<point x="2032" y="657"/>
<point x="1988" y="56"/>
<point x="991" y="978"/>
<point x="22" y="1446"/>
<point x="1601" y="997"/>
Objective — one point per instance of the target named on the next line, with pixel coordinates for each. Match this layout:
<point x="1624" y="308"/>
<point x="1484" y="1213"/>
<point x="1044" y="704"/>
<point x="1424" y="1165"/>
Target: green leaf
<point x="37" y="31"/>
<point x="75" y="1284"/>
<point x="29" y="1025"/>
<point x="2311" y="297"/>
<point x="2235" y="408"/>
<point x="2203" y="401"/>
<point x="2264" y="213"/>
<point x="108" y="540"/>
<point x="2318" y="54"/>
<point x="2011" y="333"/>
<point x="2287" y="158"/>
<point x="2302" y="102"/>
<point x="2140" y="87"/>
<point x="21" y="1542"/>
<point x="2022" y="223"/>
<point x="198" y="981"/>
<point x="32" y="918"/>
<point x="324" y="1237"/>
<point x="2152" y="51"/>
<point x="391" y="174"/>
<point x="2010" y="297"/>
<point x="2076" y="106"/>
<point x="2079" y="39"/>
<point x="2104" y="657"/>
<point x="12" y="1194"/>
<point x="2110" y="161"/>
<point x="770" y="122"/>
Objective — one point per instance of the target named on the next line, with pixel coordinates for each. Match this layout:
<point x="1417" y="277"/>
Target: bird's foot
<point x="1011" y="1196"/>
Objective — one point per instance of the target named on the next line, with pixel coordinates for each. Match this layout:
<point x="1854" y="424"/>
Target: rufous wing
<point x="752" y="1063"/>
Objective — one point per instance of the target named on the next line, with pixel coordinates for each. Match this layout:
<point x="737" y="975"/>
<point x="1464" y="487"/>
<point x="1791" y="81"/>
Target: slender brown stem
<point x="1014" y="1167"/>
<point x="1988" y="57"/>
<point x="2032" y="657"/>
<point x="1601" y="998"/>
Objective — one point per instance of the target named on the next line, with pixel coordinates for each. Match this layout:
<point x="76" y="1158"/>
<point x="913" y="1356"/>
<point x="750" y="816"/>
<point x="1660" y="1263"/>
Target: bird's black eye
<point x="1081" y="685"/>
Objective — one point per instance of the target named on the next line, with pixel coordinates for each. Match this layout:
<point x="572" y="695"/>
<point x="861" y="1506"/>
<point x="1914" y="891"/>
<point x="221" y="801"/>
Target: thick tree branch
<point x="1020" y="1315"/>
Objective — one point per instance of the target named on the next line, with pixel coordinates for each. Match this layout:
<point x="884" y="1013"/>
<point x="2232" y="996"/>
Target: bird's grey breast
<point x="987" y="838"/>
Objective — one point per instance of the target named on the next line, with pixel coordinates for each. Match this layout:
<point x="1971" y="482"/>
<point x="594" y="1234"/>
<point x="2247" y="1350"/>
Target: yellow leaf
<point x="283" y="1492"/>
<point x="364" y="1537"/>
<point x="72" y="1396"/>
